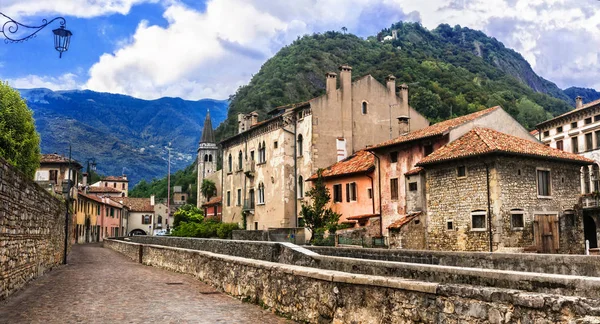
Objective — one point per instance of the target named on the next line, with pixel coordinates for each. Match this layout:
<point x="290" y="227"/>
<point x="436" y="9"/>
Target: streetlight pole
<point x="169" y="185"/>
<point x="68" y="201"/>
<point x="62" y="36"/>
<point x="88" y="171"/>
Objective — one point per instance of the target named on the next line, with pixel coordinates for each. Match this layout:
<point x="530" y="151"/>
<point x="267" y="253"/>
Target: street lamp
<point x="62" y="36"/>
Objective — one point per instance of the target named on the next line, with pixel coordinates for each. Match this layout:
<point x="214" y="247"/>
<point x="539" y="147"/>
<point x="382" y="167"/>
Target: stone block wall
<point x="322" y="296"/>
<point x="32" y="230"/>
<point x="247" y="235"/>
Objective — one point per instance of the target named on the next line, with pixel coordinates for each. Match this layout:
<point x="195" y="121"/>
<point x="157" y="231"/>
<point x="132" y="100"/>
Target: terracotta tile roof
<point x="404" y="220"/>
<point x="93" y="189"/>
<point x="359" y="162"/>
<point x="213" y="201"/>
<point x="57" y="158"/>
<point x="438" y="129"/>
<point x="362" y="217"/>
<point x="480" y="141"/>
<point x="414" y="171"/>
<point x="116" y="178"/>
<point x="88" y="196"/>
<point x="135" y="204"/>
<point x="534" y="132"/>
<point x="587" y="105"/>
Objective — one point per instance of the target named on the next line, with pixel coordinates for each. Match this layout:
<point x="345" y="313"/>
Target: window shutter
<point x="347" y="192"/>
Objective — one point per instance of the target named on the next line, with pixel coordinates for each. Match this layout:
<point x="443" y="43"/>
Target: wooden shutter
<point x="347" y="192"/>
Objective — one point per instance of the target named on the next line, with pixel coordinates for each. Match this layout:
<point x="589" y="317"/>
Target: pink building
<point x="213" y="208"/>
<point x="111" y="218"/>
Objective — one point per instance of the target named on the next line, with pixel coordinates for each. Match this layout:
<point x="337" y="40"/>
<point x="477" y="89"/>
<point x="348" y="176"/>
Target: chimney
<point x="241" y="123"/>
<point x="345" y="77"/>
<point x="253" y="118"/>
<point x="578" y="102"/>
<point x="391" y="84"/>
<point x="84" y="179"/>
<point x="152" y="200"/>
<point x="404" y="97"/>
<point x="330" y="82"/>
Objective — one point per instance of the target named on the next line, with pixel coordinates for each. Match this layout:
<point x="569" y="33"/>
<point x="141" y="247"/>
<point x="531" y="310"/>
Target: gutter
<point x="489" y="218"/>
<point x="379" y="191"/>
<point x="372" y="196"/>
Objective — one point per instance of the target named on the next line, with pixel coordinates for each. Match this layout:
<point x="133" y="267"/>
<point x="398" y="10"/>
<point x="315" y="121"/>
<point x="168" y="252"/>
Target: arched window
<point x="262" y="157"/>
<point x="160" y="219"/>
<point x="364" y="107"/>
<point x="240" y="160"/>
<point x="300" y="187"/>
<point x="261" y="193"/>
<point x="230" y="163"/>
<point x="300" y="141"/>
<point x="205" y="157"/>
<point x="596" y="177"/>
<point x="210" y="158"/>
<point x="586" y="179"/>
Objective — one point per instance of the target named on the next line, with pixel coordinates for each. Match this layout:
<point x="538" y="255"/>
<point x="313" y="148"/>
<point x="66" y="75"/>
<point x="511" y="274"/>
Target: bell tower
<point x="207" y="155"/>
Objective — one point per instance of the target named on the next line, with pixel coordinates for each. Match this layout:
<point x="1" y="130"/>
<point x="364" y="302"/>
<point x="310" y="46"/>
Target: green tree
<point x="208" y="189"/>
<point x="316" y="215"/>
<point x="19" y="142"/>
<point x="187" y="214"/>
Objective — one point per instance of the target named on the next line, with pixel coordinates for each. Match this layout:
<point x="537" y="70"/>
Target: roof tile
<point x="404" y="220"/>
<point x="359" y="162"/>
<point x="135" y="204"/>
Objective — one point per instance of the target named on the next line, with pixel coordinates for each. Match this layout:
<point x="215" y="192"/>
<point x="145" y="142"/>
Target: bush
<point x="225" y="229"/>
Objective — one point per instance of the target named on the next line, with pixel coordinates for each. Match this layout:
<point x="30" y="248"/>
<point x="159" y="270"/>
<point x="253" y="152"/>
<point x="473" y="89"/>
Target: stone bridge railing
<point x="319" y="292"/>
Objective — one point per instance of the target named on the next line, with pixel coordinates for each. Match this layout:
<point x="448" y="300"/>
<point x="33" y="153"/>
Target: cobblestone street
<point x="102" y="286"/>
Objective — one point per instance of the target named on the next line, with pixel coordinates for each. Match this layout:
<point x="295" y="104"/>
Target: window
<point x="261" y="193"/>
<point x="210" y="158"/>
<point x="300" y="187"/>
<point x="427" y="149"/>
<point x="182" y="198"/>
<point x="240" y="161"/>
<point x="370" y="193"/>
<point x="559" y="129"/>
<point x="256" y="226"/>
<point x="449" y="225"/>
<point x="205" y="157"/>
<point x="300" y="140"/>
<point x="251" y="198"/>
<point x="146" y="219"/>
<point x="569" y="218"/>
<point x="351" y="191"/>
<point x="573" y="125"/>
<point x="53" y="175"/>
<point x="559" y="145"/>
<point x="122" y="186"/>
<point x="393" y="157"/>
<point x="589" y="144"/>
<point x="588" y="120"/>
<point x="586" y="179"/>
<point x="543" y="182"/>
<point x="252" y="156"/>
<point x="228" y="198"/>
<point x="114" y="185"/>
<point x="159" y="219"/>
<point x="230" y="164"/>
<point x="478" y="218"/>
<point x="215" y="210"/>
<point x="574" y="144"/>
<point x="364" y="107"/>
<point x="275" y="144"/>
<point x="595" y="176"/>
<point x="337" y="193"/>
<point x="112" y="212"/>
<point x="412" y="186"/>
<point x="262" y="157"/>
<point x="461" y="171"/>
<point x="394" y="189"/>
<point x="597" y="139"/>
<point x="239" y="197"/>
<point x="300" y="115"/>
<point x="546" y="133"/>
<point x="517" y="222"/>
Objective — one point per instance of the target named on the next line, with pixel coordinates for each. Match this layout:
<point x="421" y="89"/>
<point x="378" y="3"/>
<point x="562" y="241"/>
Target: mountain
<point x="587" y="94"/>
<point x="124" y="134"/>
<point x="451" y="71"/>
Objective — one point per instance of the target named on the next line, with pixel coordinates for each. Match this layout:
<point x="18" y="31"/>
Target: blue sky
<point x="207" y="49"/>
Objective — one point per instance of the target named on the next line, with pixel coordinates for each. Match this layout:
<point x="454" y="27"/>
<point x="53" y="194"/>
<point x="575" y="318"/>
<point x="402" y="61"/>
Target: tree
<point x="19" y="142"/>
<point x="187" y="214"/>
<point x="316" y="215"/>
<point x="344" y="29"/>
<point x="208" y="189"/>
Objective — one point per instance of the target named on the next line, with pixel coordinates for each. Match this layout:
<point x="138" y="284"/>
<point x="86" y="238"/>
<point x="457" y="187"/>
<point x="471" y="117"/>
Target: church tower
<point x="207" y="155"/>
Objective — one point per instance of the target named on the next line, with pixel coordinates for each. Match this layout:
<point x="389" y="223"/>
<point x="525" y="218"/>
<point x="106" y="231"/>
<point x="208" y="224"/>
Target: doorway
<point x="589" y="230"/>
<point x="545" y="229"/>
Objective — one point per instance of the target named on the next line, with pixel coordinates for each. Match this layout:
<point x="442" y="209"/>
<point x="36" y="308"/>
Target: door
<point x="589" y="230"/>
<point x="545" y="229"/>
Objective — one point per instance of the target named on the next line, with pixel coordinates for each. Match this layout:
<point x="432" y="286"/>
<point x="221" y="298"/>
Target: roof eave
<point x="553" y="158"/>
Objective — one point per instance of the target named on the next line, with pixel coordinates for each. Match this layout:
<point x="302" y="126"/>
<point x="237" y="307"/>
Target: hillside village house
<point x="87" y="215"/>
<point x="266" y="164"/>
<point x="105" y="191"/>
<point x="402" y="190"/>
<point x="490" y="191"/>
<point x="163" y="220"/>
<point x="578" y="131"/>
<point x="140" y="216"/>
<point x="53" y="173"/>
<point x="213" y="208"/>
<point x="112" y="185"/>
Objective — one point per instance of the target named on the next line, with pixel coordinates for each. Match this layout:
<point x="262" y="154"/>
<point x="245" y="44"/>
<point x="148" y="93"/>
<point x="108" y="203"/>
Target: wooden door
<point x="545" y="229"/>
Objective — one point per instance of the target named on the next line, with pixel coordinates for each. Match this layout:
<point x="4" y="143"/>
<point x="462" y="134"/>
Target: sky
<point x="197" y="49"/>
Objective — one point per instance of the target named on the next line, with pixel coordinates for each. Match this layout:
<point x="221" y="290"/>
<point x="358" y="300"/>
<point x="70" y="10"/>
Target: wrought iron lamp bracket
<point x="11" y="28"/>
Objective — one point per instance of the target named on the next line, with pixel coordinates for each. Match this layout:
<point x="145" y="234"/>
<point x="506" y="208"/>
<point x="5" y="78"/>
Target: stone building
<point x="402" y="190"/>
<point x="115" y="182"/>
<point x="179" y="197"/>
<point x="53" y="173"/>
<point x="266" y="164"/>
<point x="207" y="157"/>
<point x="350" y="184"/>
<point x="490" y="191"/>
<point x="578" y="131"/>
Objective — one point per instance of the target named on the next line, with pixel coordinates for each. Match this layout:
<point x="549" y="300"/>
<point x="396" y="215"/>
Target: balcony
<point x="248" y="205"/>
<point x="590" y="201"/>
<point x="250" y="168"/>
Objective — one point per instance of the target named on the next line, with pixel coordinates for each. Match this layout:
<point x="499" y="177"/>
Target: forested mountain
<point x="586" y="94"/>
<point x="124" y="134"/>
<point x="449" y="70"/>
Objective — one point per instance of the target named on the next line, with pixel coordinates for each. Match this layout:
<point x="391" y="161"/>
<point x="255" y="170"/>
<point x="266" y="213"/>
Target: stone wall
<point x="410" y="236"/>
<point x="32" y="230"/>
<point x="245" y="235"/>
<point x="320" y="296"/>
<point x="578" y="265"/>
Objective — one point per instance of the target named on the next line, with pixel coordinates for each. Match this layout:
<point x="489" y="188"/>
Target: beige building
<point x="119" y="183"/>
<point x="140" y="215"/>
<point x="53" y="173"/>
<point x="267" y="163"/>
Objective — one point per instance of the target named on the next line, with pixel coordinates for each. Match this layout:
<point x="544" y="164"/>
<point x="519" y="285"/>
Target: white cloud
<point x="66" y="81"/>
<point x="77" y="8"/>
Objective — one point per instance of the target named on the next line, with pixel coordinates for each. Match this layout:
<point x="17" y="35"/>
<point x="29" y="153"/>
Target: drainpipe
<point x="379" y="192"/>
<point x="222" y="184"/>
<point x="372" y="195"/>
<point x="295" y="169"/>
<point x="487" y="175"/>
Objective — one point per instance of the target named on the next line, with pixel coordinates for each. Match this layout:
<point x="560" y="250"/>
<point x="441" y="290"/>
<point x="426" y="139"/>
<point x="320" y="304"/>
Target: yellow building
<point x="87" y="215"/>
